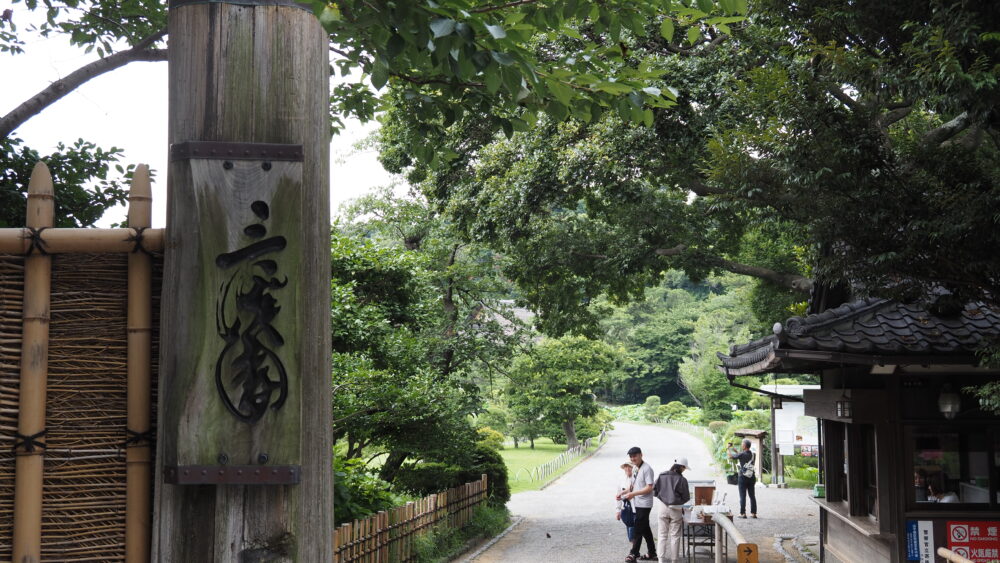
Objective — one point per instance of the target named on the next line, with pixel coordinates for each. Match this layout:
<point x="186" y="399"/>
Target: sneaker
<point x="648" y="557"/>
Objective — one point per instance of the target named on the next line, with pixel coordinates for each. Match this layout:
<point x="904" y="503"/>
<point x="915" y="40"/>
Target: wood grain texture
<point x="248" y="74"/>
<point x="221" y="203"/>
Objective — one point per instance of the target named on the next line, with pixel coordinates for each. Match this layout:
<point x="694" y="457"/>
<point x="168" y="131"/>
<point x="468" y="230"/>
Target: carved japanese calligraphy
<point x="249" y="374"/>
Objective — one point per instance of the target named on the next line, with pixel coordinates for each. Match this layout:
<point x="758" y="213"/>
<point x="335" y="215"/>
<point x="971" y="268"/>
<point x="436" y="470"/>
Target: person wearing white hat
<point x="671" y="492"/>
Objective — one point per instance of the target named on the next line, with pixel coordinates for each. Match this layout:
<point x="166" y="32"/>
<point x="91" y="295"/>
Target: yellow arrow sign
<point x="746" y="553"/>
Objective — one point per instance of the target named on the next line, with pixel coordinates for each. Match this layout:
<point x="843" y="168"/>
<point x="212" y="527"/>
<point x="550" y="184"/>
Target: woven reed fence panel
<point x="389" y="535"/>
<point x="11" y="302"/>
<point x="83" y="503"/>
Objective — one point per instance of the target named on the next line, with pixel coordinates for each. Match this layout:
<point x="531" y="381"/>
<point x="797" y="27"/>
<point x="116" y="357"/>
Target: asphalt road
<point x="573" y="519"/>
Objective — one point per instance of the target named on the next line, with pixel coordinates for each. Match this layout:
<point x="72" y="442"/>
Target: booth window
<point x="870" y="472"/>
<point x="953" y="466"/>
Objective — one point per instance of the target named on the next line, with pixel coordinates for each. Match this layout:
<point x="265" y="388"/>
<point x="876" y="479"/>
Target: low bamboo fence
<point x="388" y="536"/>
<point x="77" y="338"/>
<point x="546" y="470"/>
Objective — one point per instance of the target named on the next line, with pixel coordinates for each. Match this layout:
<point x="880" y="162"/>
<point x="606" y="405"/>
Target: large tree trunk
<point x="569" y="427"/>
<point x="392" y="465"/>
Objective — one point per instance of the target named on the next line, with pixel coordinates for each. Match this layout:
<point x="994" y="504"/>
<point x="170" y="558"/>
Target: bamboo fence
<point x="76" y="381"/>
<point x="546" y="470"/>
<point x="389" y="535"/>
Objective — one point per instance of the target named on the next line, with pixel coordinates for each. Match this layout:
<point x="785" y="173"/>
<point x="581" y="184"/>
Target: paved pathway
<point x="572" y="520"/>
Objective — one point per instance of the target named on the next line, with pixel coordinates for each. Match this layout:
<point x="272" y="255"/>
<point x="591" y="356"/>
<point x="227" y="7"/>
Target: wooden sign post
<point x="746" y="553"/>
<point x="244" y="443"/>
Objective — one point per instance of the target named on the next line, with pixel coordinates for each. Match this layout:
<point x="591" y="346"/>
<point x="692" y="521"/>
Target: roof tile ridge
<point x="799" y="326"/>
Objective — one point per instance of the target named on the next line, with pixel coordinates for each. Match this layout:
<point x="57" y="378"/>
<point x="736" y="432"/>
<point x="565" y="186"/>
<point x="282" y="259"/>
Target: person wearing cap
<point x="641" y="496"/>
<point x="671" y="493"/>
<point x="625" y="487"/>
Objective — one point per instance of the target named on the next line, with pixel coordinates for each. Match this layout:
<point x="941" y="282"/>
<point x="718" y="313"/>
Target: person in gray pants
<point x="671" y="492"/>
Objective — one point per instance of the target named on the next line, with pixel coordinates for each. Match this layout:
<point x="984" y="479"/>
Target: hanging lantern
<point x="775" y="403"/>
<point x="844" y="409"/>
<point x="949" y="403"/>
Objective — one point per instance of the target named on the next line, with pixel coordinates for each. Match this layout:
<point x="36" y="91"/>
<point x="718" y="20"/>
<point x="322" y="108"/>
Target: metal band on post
<point x="289" y="3"/>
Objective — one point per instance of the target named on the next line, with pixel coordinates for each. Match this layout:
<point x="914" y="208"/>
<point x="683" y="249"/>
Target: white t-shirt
<point x="623" y="487"/>
<point x="644" y="476"/>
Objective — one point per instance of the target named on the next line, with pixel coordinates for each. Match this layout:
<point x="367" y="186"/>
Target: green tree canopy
<point x="823" y="140"/>
<point x="558" y="377"/>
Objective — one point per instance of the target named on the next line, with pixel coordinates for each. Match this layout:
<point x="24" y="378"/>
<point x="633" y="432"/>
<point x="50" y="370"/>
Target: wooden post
<point x="138" y="456"/>
<point x="244" y="393"/>
<point x="30" y="442"/>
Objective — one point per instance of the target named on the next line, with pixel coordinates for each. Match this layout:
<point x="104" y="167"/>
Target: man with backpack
<point x="746" y="478"/>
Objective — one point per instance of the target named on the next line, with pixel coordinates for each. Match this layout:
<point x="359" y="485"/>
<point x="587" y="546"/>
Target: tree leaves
<point x="498" y="59"/>
<point x="442" y="27"/>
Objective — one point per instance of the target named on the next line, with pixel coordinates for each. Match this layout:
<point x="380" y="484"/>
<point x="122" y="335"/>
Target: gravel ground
<point x="572" y="520"/>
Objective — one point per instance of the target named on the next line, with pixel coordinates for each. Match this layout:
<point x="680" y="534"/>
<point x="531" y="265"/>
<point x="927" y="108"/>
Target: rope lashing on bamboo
<point x="37" y="243"/>
<point x="54" y="240"/>
<point x="137" y="438"/>
<point x="137" y="238"/>
<point x="29" y="442"/>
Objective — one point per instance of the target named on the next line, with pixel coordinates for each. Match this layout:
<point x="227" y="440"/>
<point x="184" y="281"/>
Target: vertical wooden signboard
<point x="239" y="418"/>
<point x="244" y="461"/>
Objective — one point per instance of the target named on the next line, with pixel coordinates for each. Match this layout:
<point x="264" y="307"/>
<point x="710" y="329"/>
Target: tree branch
<point x="677" y="250"/>
<point x="694" y="50"/>
<point x="58" y="89"/>
<point x="843" y="97"/>
<point x="893" y="116"/>
<point x="948" y="130"/>
<point x="699" y="188"/>
<point x="502" y="6"/>
<point x="794" y="282"/>
<point x="356" y="414"/>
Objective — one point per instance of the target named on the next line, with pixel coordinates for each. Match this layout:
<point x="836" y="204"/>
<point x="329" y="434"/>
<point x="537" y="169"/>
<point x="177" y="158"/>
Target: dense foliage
<point x="823" y="140"/>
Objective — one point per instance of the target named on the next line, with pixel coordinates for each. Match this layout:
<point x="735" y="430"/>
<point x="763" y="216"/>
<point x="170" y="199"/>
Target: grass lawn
<point x="523" y="459"/>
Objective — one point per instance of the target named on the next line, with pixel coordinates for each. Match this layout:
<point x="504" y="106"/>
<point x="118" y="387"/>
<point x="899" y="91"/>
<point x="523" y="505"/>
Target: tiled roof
<point x="871" y="327"/>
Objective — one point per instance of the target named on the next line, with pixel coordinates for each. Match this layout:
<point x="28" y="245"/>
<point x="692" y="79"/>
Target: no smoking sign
<point x="977" y="541"/>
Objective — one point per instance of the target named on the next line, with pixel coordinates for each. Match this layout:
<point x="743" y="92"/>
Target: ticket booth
<point x="909" y="457"/>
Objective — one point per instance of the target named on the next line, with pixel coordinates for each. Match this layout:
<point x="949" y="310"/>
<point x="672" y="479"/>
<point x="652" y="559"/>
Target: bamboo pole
<point x="138" y="456"/>
<point x="56" y="241"/>
<point x="34" y="372"/>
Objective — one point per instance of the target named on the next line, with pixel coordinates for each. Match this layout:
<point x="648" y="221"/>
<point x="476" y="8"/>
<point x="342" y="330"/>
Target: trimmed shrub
<point x="587" y="428"/>
<point x="671" y="411"/>
<point x="484" y="460"/>
<point x="717" y="426"/>
<point x="490" y="438"/>
<point x="426" y="478"/>
<point x="650" y="406"/>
